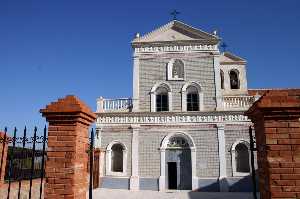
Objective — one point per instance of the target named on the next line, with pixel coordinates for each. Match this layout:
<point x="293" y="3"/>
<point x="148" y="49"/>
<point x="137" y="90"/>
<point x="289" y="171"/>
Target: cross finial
<point x="175" y="13"/>
<point x="224" y="46"/>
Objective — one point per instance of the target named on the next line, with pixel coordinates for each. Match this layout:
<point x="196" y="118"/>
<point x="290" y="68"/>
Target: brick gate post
<point x="3" y="156"/>
<point x="66" y="167"/>
<point x="277" y="129"/>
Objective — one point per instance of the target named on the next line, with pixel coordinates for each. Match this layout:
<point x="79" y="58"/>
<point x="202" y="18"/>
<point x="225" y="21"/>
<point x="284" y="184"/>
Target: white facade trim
<point x="218" y="89"/>
<point x="108" y="160"/>
<point x="233" y="158"/>
<point x="184" y="93"/>
<point x="176" y="48"/>
<point x="222" y="158"/>
<point x="175" y="119"/>
<point x="136" y="84"/>
<point x="164" y="146"/>
<point x="134" y="179"/>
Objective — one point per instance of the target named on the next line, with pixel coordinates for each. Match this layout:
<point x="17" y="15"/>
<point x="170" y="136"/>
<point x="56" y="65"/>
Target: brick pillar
<point x="67" y="158"/>
<point x="3" y="157"/>
<point x="277" y="128"/>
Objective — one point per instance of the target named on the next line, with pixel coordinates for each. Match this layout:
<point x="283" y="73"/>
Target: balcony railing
<point x="114" y="105"/>
<point x="237" y="102"/>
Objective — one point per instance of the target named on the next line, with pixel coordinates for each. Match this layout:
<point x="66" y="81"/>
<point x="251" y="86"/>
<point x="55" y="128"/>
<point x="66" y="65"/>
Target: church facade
<point x="184" y="126"/>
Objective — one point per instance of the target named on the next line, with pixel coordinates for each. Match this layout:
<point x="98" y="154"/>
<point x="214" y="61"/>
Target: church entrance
<point x="172" y="174"/>
<point x="178" y="165"/>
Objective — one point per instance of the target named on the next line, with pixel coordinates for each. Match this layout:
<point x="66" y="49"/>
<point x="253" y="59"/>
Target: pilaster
<point x="134" y="179"/>
<point x="136" y="83"/>
<point x="162" y="177"/>
<point x="216" y="60"/>
<point x="222" y="158"/>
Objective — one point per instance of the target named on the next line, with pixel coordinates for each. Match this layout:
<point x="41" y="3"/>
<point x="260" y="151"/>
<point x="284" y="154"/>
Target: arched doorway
<point x="178" y="162"/>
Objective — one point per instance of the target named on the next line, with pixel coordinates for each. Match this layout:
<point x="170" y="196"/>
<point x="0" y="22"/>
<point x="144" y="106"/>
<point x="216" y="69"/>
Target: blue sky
<point x="49" y="49"/>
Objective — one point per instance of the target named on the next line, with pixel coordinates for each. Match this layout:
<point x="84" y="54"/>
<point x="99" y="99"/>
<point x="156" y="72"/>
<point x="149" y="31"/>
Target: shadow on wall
<point x="235" y="184"/>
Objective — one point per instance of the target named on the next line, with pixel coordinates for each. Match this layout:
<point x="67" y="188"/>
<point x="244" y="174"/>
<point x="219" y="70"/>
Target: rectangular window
<point x="192" y="102"/>
<point x="162" y="103"/>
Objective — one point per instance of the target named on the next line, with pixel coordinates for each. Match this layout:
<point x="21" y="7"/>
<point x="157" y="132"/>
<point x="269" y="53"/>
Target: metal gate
<point x="25" y="163"/>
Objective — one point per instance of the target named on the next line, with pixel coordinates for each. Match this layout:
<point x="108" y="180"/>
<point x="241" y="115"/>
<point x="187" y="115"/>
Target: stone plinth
<point x="277" y="128"/>
<point x="67" y="158"/>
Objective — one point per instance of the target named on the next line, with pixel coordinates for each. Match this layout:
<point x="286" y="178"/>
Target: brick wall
<point x="277" y="129"/>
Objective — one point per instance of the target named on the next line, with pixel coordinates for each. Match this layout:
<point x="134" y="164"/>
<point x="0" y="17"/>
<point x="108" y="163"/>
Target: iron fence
<point x="25" y="159"/>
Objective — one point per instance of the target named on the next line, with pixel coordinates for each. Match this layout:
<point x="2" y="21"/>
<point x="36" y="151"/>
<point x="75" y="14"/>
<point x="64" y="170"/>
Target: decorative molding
<point x="163" y="118"/>
<point x="176" y="48"/>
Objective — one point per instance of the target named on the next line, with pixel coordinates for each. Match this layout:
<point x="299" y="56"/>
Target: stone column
<point x="162" y="177"/>
<point x="134" y="179"/>
<point x="222" y="158"/>
<point x="216" y="57"/>
<point x="194" y="169"/>
<point x="3" y="156"/>
<point x="67" y="158"/>
<point x="277" y="130"/>
<point x="136" y="83"/>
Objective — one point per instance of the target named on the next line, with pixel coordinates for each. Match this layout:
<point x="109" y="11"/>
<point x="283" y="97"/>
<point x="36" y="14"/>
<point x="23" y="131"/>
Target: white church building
<point x="184" y="126"/>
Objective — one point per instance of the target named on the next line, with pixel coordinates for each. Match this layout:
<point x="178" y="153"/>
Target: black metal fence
<point x="25" y="159"/>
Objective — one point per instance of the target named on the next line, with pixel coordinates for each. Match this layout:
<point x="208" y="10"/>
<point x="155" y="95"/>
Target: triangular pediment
<point x="176" y="31"/>
<point x="228" y="57"/>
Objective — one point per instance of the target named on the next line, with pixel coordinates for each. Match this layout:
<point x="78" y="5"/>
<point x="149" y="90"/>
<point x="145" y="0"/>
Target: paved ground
<point x="24" y="190"/>
<point x="125" y="194"/>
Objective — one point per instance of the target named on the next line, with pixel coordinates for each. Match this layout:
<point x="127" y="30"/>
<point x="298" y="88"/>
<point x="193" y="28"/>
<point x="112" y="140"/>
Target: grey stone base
<point x="208" y="185"/>
<point x="149" y="184"/>
<point x="115" y="183"/>
<point x="235" y="184"/>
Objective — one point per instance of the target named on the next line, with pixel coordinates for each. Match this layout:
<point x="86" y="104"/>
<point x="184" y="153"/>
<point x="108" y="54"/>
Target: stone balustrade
<point x="114" y="105"/>
<point x="237" y="102"/>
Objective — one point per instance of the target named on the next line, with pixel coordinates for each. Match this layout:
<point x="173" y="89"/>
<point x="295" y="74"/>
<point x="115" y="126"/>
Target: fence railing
<point x="114" y="105"/>
<point x="25" y="160"/>
<point x="237" y="102"/>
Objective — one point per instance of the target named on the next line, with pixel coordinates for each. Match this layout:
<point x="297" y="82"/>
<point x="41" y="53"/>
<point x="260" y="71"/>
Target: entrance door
<point x="172" y="175"/>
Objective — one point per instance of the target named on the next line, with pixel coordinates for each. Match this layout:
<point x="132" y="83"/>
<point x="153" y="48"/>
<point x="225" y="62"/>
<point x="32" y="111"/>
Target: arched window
<point x="192" y="99"/>
<point x="175" y="69"/>
<point x="162" y="101"/>
<point x="234" y="79"/>
<point x="117" y="158"/>
<point x="161" y="97"/>
<point x="178" y="69"/>
<point x="242" y="158"/>
<point x="222" y="79"/>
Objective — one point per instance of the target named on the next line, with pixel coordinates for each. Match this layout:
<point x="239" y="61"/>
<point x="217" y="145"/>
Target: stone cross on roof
<point x="175" y="13"/>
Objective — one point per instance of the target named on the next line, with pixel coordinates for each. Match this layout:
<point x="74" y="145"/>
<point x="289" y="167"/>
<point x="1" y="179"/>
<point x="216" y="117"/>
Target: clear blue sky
<point x="52" y="48"/>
